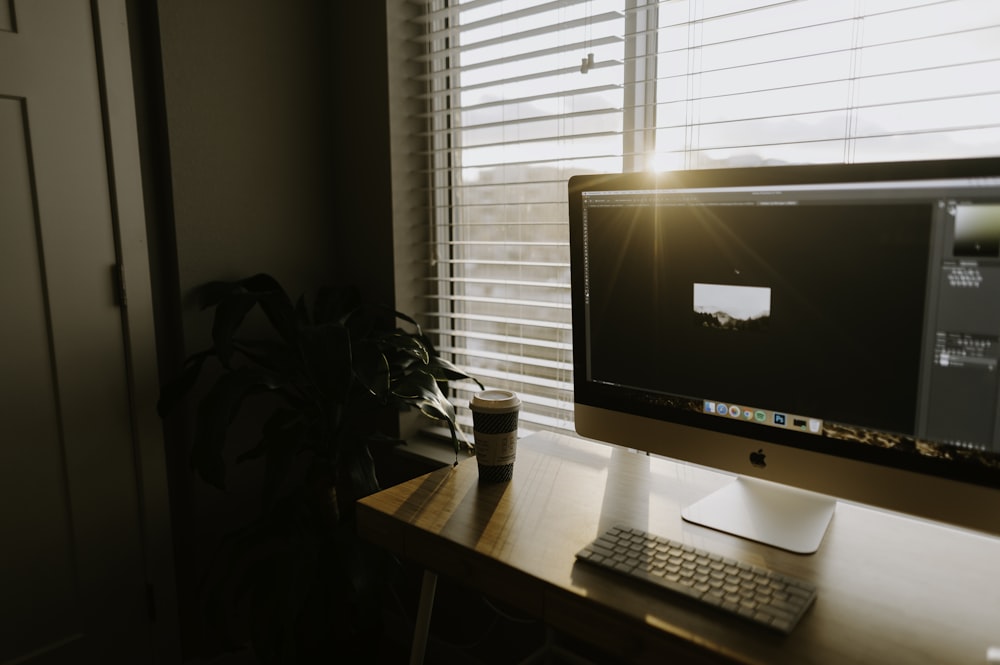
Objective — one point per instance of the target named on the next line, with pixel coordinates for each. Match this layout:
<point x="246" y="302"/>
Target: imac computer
<point x="820" y="332"/>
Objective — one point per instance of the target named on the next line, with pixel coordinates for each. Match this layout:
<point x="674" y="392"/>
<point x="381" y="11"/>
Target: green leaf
<point x="420" y="389"/>
<point x="281" y="313"/>
<point x="282" y="448"/>
<point x="274" y="302"/>
<point x="356" y="459"/>
<point x="271" y="354"/>
<point x="404" y="317"/>
<point x="302" y="312"/>
<point x="216" y="411"/>
<point x="326" y="352"/>
<point x="371" y="367"/>
<point x="229" y="315"/>
<point x="399" y="344"/>
<point x="444" y="370"/>
<point x="235" y="299"/>
<point x="274" y="432"/>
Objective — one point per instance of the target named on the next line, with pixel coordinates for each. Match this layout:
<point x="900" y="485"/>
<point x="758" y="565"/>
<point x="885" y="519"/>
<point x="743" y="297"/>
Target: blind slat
<point x="526" y="379"/>
<point x="506" y="282"/>
<point x="944" y="126"/>
<point x="506" y="243"/>
<point x="503" y="340"/>
<point x="439" y="95"/>
<point x="533" y="119"/>
<point x="511" y="358"/>
<point x="514" y="264"/>
<point x="585" y="22"/>
<point x="452" y="10"/>
<point x="512" y="321"/>
<point x="533" y="76"/>
<point x="516" y="57"/>
<point x="540" y="304"/>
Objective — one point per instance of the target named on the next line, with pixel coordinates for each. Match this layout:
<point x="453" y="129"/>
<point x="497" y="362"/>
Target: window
<point x="753" y="82"/>
<point x="522" y="94"/>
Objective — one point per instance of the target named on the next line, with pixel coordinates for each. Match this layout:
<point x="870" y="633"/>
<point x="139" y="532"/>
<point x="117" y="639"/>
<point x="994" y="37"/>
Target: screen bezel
<point x="914" y="484"/>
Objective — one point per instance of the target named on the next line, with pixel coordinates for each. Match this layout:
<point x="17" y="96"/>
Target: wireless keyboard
<point x="761" y="595"/>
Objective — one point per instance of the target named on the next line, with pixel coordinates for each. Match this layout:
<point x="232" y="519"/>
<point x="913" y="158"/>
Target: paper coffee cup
<point x="494" y="427"/>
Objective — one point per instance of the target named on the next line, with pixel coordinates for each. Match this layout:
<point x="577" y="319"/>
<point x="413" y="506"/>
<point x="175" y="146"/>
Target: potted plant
<point x="297" y="579"/>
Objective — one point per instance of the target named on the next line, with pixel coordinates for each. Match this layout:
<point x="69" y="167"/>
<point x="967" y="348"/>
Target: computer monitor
<point x="823" y="332"/>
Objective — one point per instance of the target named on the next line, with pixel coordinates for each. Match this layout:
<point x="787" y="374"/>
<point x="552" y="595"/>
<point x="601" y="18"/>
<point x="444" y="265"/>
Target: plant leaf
<point x="445" y="370"/>
<point x="371" y="367"/>
<point x="229" y="315"/>
<point x="410" y="320"/>
<point x="280" y="311"/>
<point x="420" y="389"/>
<point x="271" y="354"/>
<point x="273" y="431"/>
<point x="283" y="445"/>
<point x="232" y="302"/>
<point x="399" y="343"/>
<point x="357" y="461"/>
<point x="326" y="358"/>
<point x="216" y="411"/>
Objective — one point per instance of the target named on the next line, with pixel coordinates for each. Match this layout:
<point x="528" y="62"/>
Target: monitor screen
<point x="834" y="328"/>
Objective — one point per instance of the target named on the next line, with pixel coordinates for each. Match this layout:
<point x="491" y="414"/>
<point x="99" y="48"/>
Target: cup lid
<point x="495" y="400"/>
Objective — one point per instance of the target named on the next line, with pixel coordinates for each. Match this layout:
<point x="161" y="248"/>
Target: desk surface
<point x="891" y="589"/>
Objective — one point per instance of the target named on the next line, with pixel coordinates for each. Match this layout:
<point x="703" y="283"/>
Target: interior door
<point x="72" y="583"/>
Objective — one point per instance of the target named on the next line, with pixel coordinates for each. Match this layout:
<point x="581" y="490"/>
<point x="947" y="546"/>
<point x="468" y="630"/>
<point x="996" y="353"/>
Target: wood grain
<point x="891" y="588"/>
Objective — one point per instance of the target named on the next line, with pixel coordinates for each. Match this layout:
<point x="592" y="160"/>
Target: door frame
<point x="129" y="220"/>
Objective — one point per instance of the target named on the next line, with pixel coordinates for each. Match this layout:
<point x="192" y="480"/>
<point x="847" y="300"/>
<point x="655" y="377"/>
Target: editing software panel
<point x="961" y="403"/>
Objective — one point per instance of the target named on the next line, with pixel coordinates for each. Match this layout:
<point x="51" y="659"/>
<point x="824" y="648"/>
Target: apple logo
<point x="757" y="458"/>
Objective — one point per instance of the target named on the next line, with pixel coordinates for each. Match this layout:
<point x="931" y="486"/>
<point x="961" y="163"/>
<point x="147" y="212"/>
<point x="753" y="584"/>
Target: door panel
<point x="71" y="565"/>
<point x="6" y="16"/>
<point x="31" y="459"/>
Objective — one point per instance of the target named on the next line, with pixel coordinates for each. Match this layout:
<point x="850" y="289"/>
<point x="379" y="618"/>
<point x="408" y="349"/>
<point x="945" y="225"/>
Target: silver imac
<point x="821" y="332"/>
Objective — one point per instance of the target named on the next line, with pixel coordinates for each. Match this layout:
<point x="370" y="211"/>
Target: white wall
<point x="240" y="148"/>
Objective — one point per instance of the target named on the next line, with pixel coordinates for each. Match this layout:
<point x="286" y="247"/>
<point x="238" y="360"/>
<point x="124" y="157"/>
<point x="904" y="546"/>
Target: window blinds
<point x="521" y="94"/>
<point x="751" y="82"/>
<point x="514" y="108"/>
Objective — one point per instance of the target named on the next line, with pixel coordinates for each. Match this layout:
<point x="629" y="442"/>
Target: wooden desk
<point x="891" y="589"/>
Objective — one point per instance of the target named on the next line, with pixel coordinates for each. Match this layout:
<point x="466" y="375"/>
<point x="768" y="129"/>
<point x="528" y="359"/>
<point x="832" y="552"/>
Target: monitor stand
<point x="778" y="515"/>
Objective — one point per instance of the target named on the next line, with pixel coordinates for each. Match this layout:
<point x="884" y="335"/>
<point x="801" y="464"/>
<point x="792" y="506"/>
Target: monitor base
<point x="784" y="517"/>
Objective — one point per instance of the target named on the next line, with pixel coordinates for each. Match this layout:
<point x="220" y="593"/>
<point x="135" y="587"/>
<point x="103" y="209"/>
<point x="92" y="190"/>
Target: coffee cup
<point x="494" y="427"/>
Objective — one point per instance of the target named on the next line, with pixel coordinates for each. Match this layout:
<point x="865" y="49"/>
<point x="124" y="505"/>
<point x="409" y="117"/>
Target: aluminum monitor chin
<point x="828" y="328"/>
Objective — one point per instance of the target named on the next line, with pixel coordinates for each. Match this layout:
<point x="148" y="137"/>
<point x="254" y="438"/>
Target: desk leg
<point x="423" y="622"/>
